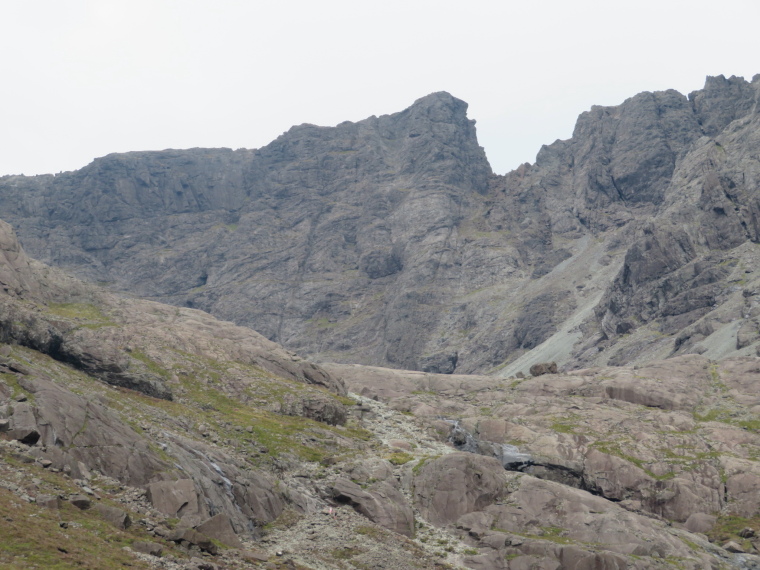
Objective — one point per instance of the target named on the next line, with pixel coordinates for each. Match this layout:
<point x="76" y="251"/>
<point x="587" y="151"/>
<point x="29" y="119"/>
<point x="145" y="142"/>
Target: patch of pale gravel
<point x="328" y="531"/>
<point x="388" y="425"/>
<point x="315" y="537"/>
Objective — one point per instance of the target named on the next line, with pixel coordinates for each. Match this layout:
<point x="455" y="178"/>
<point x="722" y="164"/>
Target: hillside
<point x="390" y="241"/>
<point x="135" y="434"/>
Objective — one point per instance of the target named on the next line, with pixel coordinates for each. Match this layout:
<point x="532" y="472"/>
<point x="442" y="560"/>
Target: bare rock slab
<point x="115" y="516"/>
<point x="380" y="503"/>
<point x="148" y="547"/>
<point x="176" y="499"/>
<point x="219" y="527"/>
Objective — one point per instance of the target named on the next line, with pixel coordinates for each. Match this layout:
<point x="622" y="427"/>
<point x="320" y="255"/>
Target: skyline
<point x="88" y="78"/>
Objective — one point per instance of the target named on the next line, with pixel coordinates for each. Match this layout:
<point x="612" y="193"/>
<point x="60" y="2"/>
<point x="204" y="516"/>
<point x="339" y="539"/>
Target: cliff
<point x="390" y="241"/>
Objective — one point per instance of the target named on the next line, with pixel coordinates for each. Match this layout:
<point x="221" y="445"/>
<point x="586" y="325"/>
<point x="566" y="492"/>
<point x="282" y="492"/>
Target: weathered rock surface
<point x="66" y="334"/>
<point x="219" y="528"/>
<point x="115" y="516"/>
<point x="389" y="241"/>
<point x="148" y="547"/>
<point x="380" y="503"/>
<point x="98" y="333"/>
<point x="636" y="238"/>
<point x="457" y="484"/>
<point x="543" y="368"/>
<point x="675" y="440"/>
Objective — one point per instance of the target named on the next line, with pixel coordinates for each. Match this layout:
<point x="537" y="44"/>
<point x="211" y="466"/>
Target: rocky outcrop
<point x="390" y="242"/>
<point x="516" y="520"/>
<point x="379" y="502"/>
<point x="457" y="484"/>
<point x="667" y="439"/>
<point x="543" y="368"/>
<point x="59" y="336"/>
<point x="619" y="477"/>
<point x="81" y="436"/>
<point x="93" y="331"/>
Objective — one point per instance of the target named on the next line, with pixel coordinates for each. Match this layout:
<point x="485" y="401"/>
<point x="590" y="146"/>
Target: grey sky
<point x="81" y="79"/>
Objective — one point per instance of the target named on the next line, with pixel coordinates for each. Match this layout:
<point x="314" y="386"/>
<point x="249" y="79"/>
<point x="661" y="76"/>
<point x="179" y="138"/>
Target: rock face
<point x="96" y="335"/>
<point x="59" y="336"/>
<point x="611" y="467"/>
<point x="380" y="503"/>
<point x="456" y="485"/>
<point x="390" y="242"/>
<point x="660" y="438"/>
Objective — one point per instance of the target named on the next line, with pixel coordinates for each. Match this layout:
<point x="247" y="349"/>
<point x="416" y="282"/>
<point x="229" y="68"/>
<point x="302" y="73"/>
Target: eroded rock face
<point x="644" y="437"/>
<point x="219" y="528"/>
<point x="80" y="436"/>
<point x="73" y="430"/>
<point x="380" y="503"/>
<point x="457" y="484"/>
<point x="390" y="242"/>
<point x="176" y="499"/>
<point x="15" y="275"/>
<point x="517" y="520"/>
<point x="153" y="349"/>
<point x="545" y="509"/>
<point x="111" y="338"/>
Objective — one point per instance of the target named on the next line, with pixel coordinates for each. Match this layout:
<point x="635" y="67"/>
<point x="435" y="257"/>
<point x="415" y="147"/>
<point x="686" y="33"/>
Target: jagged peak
<point x="437" y="98"/>
<point x="441" y="106"/>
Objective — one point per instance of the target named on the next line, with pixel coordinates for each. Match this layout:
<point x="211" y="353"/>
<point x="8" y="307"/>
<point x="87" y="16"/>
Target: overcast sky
<point x="81" y="79"/>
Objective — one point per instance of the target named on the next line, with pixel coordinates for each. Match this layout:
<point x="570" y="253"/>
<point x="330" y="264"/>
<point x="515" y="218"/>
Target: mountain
<point x="136" y="434"/>
<point x="390" y="241"/>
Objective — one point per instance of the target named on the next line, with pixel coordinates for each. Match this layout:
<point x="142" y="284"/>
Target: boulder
<point x="48" y="501"/>
<point x="82" y="502"/>
<point x="115" y="516"/>
<point x="370" y="470"/>
<point x="315" y="407"/>
<point x="148" y="547"/>
<point x="189" y="536"/>
<point x="456" y="484"/>
<point x="220" y="528"/>
<point x="734" y="547"/>
<point x="543" y="368"/>
<point x="23" y="426"/>
<point x="176" y="499"/>
<point x="700" y="522"/>
<point x="380" y="503"/>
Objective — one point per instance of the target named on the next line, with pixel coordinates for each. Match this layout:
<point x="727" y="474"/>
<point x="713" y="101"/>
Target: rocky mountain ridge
<point x="390" y="241"/>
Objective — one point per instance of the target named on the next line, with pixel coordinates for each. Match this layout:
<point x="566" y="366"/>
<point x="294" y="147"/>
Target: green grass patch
<point x="151" y="364"/>
<point x="399" y="458"/>
<point x="32" y="537"/>
<point x="554" y="534"/>
<point x="561" y="427"/>
<point x="612" y="448"/>
<point x="11" y="381"/>
<point x="323" y="323"/>
<point x="728" y="527"/>
<point x="418" y="466"/>
<point x="750" y="425"/>
<point x="371" y="531"/>
<point x="692" y="545"/>
<point x="77" y="311"/>
<point x="345" y="552"/>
